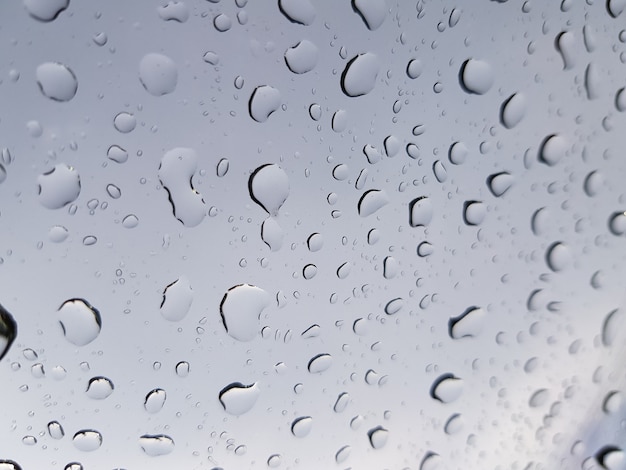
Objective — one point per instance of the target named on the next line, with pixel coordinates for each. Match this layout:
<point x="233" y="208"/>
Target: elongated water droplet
<point x="371" y="201"/>
<point x="612" y="325"/>
<point x="340" y="120"/>
<point x="301" y="427"/>
<point x="269" y="187"/>
<point x="182" y="369"/>
<point x="155" y="445"/>
<point x="177" y="299"/>
<point x="359" y="76"/>
<point x="241" y="308"/>
<point x="593" y="82"/>
<point x="390" y="267"/>
<point x="469" y="324"/>
<point x="155" y="400"/>
<point x="56" y="81"/>
<point x="274" y="461"/>
<point x="373" y="12"/>
<point x="59" y="187"/>
<point x="620" y="100"/>
<point x="222" y="167"/>
<point x="420" y="212"/>
<point x="312" y="331"/>
<point x="513" y="110"/>
<point x="343" y="454"/>
<point x="342" y="402"/>
<point x="378" y="437"/>
<point x="272" y="234"/>
<point x="615" y="7"/>
<point x="394" y="306"/>
<point x="440" y="171"/>
<point x="158" y="74"/>
<point x="558" y="257"/>
<point x="302" y="57"/>
<point x="55" y="430"/>
<point x="320" y="363"/>
<point x="45" y="10"/>
<point x="99" y="388"/>
<point x="238" y="399"/>
<point x="117" y="154"/>
<point x="566" y="45"/>
<point x="343" y="271"/>
<point x="80" y="321"/>
<point x="476" y="76"/>
<point x="263" y="102"/>
<point x="87" y="440"/>
<point x="446" y="388"/>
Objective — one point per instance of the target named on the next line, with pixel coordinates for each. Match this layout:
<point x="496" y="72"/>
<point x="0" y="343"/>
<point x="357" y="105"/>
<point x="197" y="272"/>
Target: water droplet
<point x="238" y="399"/>
<point x="263" y="102"/>
<point x="29" y="440"/>
<point x="454" y="424"/>
<point x="359" y="76"/>
<point x="175" y="173"/>
<point x="222" y="22"/>
<point x="440" y="171"/>
<point x="558" y="257"/>
<point x="100" y="39"/>
<point x="154" y="401"/>
<point x="211" y="57"/>
<point x="177" y="299"/>
<point x="174" y="11"/>
<point x="552" y="149"/>
<point x="371" y="201"/>
<point x="340" y="120"/>
<point x="124" y="122"/>
<point x="222" y="167"/>
<point x="513" y="110"/>
<point x="312" y="331"/>
<point x="392" y="145"/>
<point x="343" y="271"/>
<point x="431" y="461"/>
<point x="99" y="388"/>
<point x="476" y="76"/>
<point x="457" y="153"/>
<point x="55" y="430"/>
<point x="612" y="402"/>
<point x="315" y="111"/>
<point x="446" y="388"/>
<point x="414" y="68"/>
<point x="593" y="183"/>
<point x="420" y="212"/>
<point x="500" y="183"/>
<point x="114" y="191"/>
<point x="45" y="10"/>
<point x="302" y="57"/>
<point x="8" y="331"/>
<point x="567" y="47"/>
<point x="87" y="440"/>
<point x="342" y="402"/>
<point x="394" y="306"/>
<point x="612" y="325"/>
<point x="309" y="271"/>
<point x="469" y="324"/>
<point x="89" y="240"/>
<point x="74" y="466"/>
<point x="620" y="100"/>
<point x="390" y="267"/>
<point x="373" y="12"/>
<point x="298" y="11"/>
<point x="301" y="427"/>
<point x="539" y="398"/>
<point x="320" y="363"/>
<point x="474" y="212"/>
<point x="378" y="437"/>
<point x="155" y="445"/>
<point x="455" y="16"/>
<point x="182" y="369"/>
<point x="58" y="187"/>
<point x="269" y="187"/>
<point x="241" y="308"/>
<point x="81" y="323"/>
<point x="615" y="7"/>
<point x="274" y="461"/>
<point x="593" y="82"/>
<point x="56" y="81"/>
<point x="272" y="234"/>
<point x="117" y="154"/>
<point x="315" y="242"/>
<point x="34" y="129"/>
<point x="341" y="172"/>
<point x="3" y="173"/>
<point x="617" y="223"/>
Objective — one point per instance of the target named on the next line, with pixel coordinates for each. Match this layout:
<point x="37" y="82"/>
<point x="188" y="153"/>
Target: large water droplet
<point x="566" y="45"/>
<point x="339" y="121"/>
<point x="371" y="201"/>
<point x="298" y="11"/>
<point x="174" y="11"/>
<point x="373" y="12"/>
<point x="320" y="363"/>
<point x="114" y="191"/>
<point x="315" y="242"/>
<point x="342" y="454"/>
<point x="474" y="212"/>
<point x="378" y="437"/>
<point x="513" y="110"/>
<point x="343" y="271"/>
<point x="446" y="388"/>
<point x="390" y="267"/>
<point x="414" y="68"/>
<point x="241" y="308"/>
<point x="155" y="399"/>
<point x="458" y="153"/>
<point x="359" y="76"/>
<point x="394" y="306"/>
<point x="593" y="183"/>
<point x="272" y="234"/>
<point x="615" y="7"/>
<point x="476" y="76"/>
<point x="87" y="440"/>
<point x="222" y="22"/>
<point x="238" y="399"/>
<point x="177" y="299"/>
<point x="593" y="82"/>
<point x="59" y="187"/>
<point x="454" y="424"/>
<point x="124" y="122"/>
<point x="420" y="212"/>
<point x="45" y="10"/>
<point x="617" y="223"/>
<point x="440" y="171"/>
<point x="612" y="402"/>
<point x="552" y="149"/>
<point x="301" y="427"/>
<point x="9" y="465"/>
<point x="610" y="457"/>
<point x="342" y="402"/>
<point x="558" y="256"/>
<point x="469" y="324"/>
<point x="56" y="81"/>
<point x="539" y="398"/>
<point x="269" y="187"/>
<point x="117" y="154"/>
<point x="80" y="321"/>
<point x="263" y="102"/>
<point x="158" y="74"/>
<point x="8" y="331"/>
<point x="155" y="445"/>
<point x="302" y="57"/>
<point x="175" y="172"/>
<point x="55" y="430"/>
<point x="620" y="100"/>
<point x="612" y="325"/>
<point x="500" y="183"/>
<point x="99" y="388"/>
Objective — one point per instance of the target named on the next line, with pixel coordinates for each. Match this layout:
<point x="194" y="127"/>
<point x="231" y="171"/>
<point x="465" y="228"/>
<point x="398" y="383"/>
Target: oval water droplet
<point x="341" y="172"/>
<point x="513" y="110"/>
<point x="263" y="102"/>
<point x="593" y="183"/>
<point x="392" y="145"/>
<point x="298" y="11"/>
<point x="222" y="167"/>
<point x="474" y="212"/>
<point x="320" y="363"/>
<point x="340" y="120"/>
<point x="552" y="149"/>
<point x="114" y="191"/>
<point x="390" y="267"/>
<point x="117" y="154"/>
<point x="420" y="212"/>
<point x="343" y="271"/>
<point x="454" y="425"/>
<point x="372" y="12"/>
<point x="394" y="306"/>
<point x="359" y="76"/>
<point x="315" y="111"/>
<point x="155" y="400"/>
<point x="158" y="74"/>
<point x="302" y="57"/>
<point x="45" y="10"/>
<point x="378" y="437"/>
<point x="238" y="399"/>
<point x="457" y="153"/>
<point x="87" y="440"/>
<point x="612" y="325"/>
<point x="500" y="183"/>
<point x="440" y="171"/>
<point x="315" y="242"/>
<point x="9" y="465"/>
<point x="274" y="461"/>
<point x="620" y="100"/>
<point x="211" y="57"/>
<point x="177" y="299"/>
<point x="80" y="321"/>
<point x="222" y="23"/>
<point x="312" y="331"/>
<point x="432" y="460"/>
<point x="272" y="234"/>
<point x="476" y="76"/>
<point x="558" y="257"/>
<point x="539" y="398"/>
<point x="469" y="324"/>
<point x="182" y="369"/>
<point x="99" y="388"/>
<point x="8" y="331"/>
<point x="301" y="427"/>
<point x="269" y="187"/>
<point x="55" y="430"/>
<point x="56" y="81"/>
<point x="414" y="68"/>
<point x="342" y="454"/>
<point x="175" y="173"/>
<point x="240" y="310"/>
<point x="342" y="402"/>
<point x="371" y="201"/>
<point x="446" y="388"/>
<point x="617" y="223"/>
<point x="124" y="122"/>
<point x="593" y="81"/>
<point x="59" y="187"/>
<point x="155" y="445"/>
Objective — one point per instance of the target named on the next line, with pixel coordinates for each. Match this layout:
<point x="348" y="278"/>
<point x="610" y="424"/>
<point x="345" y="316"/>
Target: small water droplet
<point x="420" y="212"/>
<point x="309" y="271"/>
<point x="55" y="430"/>
<point x="617" y="223"/>
<point x="552" y="149"/>
<point x="394" y="306"/>
<point x="158" y="74"/>
<point x="500" y="183"/>
<point x="342" y="402"/>
<point x="272" y="234"/>
<point x="130" y="221"/>
<point x="340" y="120"/>
<point x="342" y="454"/>
<point x="457" y="153"/>
<point x="222" y="23"/>
<point x="124" y="122"/>
<point x="274" y="461"/>
<point x="182" y="369"/>
<point x="113" y="191"/>
<point x="117" y="154"/>
<point x="222" y="167"/>
<point x="539" y="398"/>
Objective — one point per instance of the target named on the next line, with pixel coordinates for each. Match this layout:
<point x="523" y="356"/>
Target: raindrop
<point x="457" y="153"/>
<point x="513" y="110"/>
<point x="211" y="57"/>
<point x="298" y="11"/>
<point x="177" y="299"/>
<point x="269" y="187"/>
<point x="468" y="324"/>
<point x="373" y="12"/>
<point x="552" y="149"/>
<point x="392" y="145"/>
<point x="175" y="173"/>
<point x="361" y="179"/>
<point x="272" y="234"/>
<point x="342" y="454"/>
<point x="156" y="445"/>
<point x="593" y="83"/>
<point x="343" y="271"/>
<point x="612" y="402"/>
<point x="615" y="7"/>
<point x="610" y="457"/>
<point x="58" y="187"/>
<point x="315" y="242"/>
<point x="87" y="440"/>
<point x="55" y="430"/>
<point x="476" y="76"/>
<point x="263" y="102"/>
<point x="238" y="399"/>
<point x="420" y="212"/>
<point x="539" y="398"/>
<point x="315" y="111"/>
<point x="74" y="466"/>
<point x="454" y="424"/>
<point x="158" y="74"/>
<point x="566" y="45"/>
<point x="58" y="234"/>
<point x="222" y="23"/>
<point x="302" y="57"/>
<point x="274" y="461"/>
<point x="182" y="369"/>
<point x="425" y="249"/>
<point x="593" y="183"/>
<point x="612" y="325"/>
<point x="446" y="388"/>
<point x="9" y="465"/>
<point x="620" y="100"/>
<point x="99" y="388"/>
<point x="390" y="267"/>
<point x="100" y="39"/>
<point x="174" y="11"/>
<point x="617" y="223"/>
<point x="432" y="460"/>
<point x="440" y="171"/>
<point x="500" y="183"/>
<point x="394" y="306"/>
<point x="45" y="10"/>
<point x="340" y="120"/>
<point x="81" y="323"/>
<point x="8" y="331"/>
<point x="117" y="154"/>
<point x="342" y="402"/>
<point x="301" y="427"/>
<point x="320" y="363"/>
<point x="558" y="257"/>
<point x="455" y="16"/>
<point x="113" y="191"/>
<point x="414" y="68"/>
<point x="90" y="240"/>
<point x="340" y="172"/>
<point x="124" y="122"/>
<point x="359" y="76"/>
<point x="155" y="400"/>
<point x="371" y="201"/>
<point x="378" y="437"/>
<point x="240" y="310"/>
<point x="56" y="81"/>
<point x="312" y="331"/>
<point x="3" y="173"/>
<point x="222" y="167"/>
<point x="474" y="212"/>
